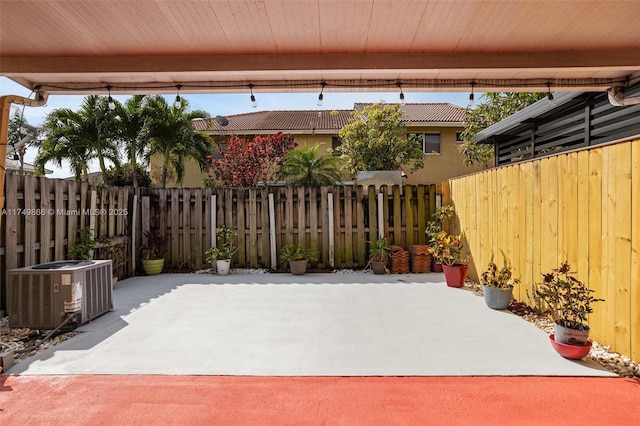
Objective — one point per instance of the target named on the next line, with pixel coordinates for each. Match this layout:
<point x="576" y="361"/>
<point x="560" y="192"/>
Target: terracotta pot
<point x="455" y="274"/>
<point x="379" y="268"/>
<point x="435" y="266"/>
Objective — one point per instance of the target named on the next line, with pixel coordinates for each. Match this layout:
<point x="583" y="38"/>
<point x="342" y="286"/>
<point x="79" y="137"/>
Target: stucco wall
<point x="437" y="168"/>
<point x="448" y="164"/>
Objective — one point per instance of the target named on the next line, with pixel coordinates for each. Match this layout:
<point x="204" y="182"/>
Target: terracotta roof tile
<point x="279" y="120"/>
<point x="429" y="112"/>
<point x="324" y="120"/>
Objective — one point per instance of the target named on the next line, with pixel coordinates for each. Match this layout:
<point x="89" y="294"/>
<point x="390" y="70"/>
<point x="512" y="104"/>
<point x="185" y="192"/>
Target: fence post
<point x="134" y="227"/>
<point x="214" y="200"/>
<point x="380" y="215"/>
<point x="332" y="253"/>
<point x="93" y="215"/>
<point x="145" y="224"/>
<point x="272" y="230"/>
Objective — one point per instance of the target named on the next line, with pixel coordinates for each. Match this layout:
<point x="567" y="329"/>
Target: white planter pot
<point x="570" y="336"/>
<point x="223" y="266"/>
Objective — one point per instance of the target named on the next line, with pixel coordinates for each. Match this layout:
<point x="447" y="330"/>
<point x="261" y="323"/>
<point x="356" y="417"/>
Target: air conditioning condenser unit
<point x="42" y="296"/>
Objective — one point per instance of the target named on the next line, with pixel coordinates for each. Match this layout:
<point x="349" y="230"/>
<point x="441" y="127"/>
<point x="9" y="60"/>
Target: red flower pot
<point x="570" y="351"/>
<point x="455" y="274"/>
<point x="435" y="266"/>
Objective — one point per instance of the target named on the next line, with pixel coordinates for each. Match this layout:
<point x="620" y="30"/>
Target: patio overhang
<point x="283" y="46"/>
<point x="304" y="72"/>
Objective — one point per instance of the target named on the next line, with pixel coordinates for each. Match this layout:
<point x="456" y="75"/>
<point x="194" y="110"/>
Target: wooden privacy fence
<point x="42" y="217"/>
<point x="337" y="221"/>
<point x="580" y="206"/>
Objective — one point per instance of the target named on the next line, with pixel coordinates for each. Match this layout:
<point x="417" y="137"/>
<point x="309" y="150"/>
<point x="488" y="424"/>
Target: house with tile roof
<point x="439" y="125"/>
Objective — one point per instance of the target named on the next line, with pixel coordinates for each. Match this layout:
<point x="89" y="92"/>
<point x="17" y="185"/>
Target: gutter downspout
<point x="5" y="108"/>
<point x="616" y="97"/>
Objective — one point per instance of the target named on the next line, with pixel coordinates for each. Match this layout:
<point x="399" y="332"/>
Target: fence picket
<point x="313" y="218"/>
<point x="324" y="225"/>
<point x="30" y="222"/>
<point x="252" y="247"/>
<point x="360" y="227"/>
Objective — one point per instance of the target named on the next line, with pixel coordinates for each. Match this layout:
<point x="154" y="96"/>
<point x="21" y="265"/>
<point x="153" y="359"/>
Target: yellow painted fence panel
<point x="582" y="207"/>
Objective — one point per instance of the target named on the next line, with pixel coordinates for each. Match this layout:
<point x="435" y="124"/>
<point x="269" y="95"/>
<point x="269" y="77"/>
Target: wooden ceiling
<point x="141" y="46"/>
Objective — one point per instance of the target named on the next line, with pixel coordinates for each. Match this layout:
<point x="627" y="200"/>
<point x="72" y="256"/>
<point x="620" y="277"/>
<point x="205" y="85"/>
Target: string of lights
<point x="423" y="84"/>
<point x="487" y="85"/>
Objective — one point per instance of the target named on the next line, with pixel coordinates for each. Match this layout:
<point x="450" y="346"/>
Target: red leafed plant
<point x="246" y="163"/>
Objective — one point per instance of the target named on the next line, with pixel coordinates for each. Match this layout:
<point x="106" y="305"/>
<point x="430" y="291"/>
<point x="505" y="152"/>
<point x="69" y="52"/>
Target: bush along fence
<point x="42" y="219"/>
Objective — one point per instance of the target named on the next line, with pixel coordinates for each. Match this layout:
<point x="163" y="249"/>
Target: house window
<point x="459" y="137"/>
<point x="335" y="143"/>
<point x="220" y="146"/>
<point x="430" y="142"/>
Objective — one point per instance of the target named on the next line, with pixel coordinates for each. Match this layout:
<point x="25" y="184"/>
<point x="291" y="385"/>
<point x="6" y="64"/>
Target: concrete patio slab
<point x="340" y="324"/>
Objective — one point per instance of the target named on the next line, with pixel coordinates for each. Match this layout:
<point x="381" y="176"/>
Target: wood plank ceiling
<point x="67" y="46"/>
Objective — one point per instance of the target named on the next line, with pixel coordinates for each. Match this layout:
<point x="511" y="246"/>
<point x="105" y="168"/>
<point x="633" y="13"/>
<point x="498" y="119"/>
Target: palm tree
<point x="131" y="119"/>
<point x="303" y="167"/>
<point x="58" y="149"/>
<point x="80" y="136"/>
<point x="169" y="133"/>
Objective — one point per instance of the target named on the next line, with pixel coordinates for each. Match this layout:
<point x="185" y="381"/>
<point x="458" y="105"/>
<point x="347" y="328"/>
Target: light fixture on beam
<point x="178" y="102"/>
<point x="253" y="98"/>
<point x="552" y="102"/>
<point x="321" y="96"/>
<point x="399" y="84"/>
<point x="471" y="95"/>
<point x="110" y="102"/>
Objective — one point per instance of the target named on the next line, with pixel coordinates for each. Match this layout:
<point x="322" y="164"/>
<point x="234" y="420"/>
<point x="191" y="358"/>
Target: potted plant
<point x="434" y="227"/>
<point x="297" y="256"/>
<point x="497" y="284"/>
<point x="222" y="255"/>
<point x="376" y="140"/>
<point x="568" y="301"/>
<point x="447" y="250"/>
<point x="379" y="255"/>
<point x="153" y="248"/>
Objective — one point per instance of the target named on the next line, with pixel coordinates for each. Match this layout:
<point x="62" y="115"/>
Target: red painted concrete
<point x="182" y="400"/>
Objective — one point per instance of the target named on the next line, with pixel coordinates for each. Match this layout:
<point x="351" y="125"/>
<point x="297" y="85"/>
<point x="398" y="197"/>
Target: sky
<point x="230" y="104"/>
